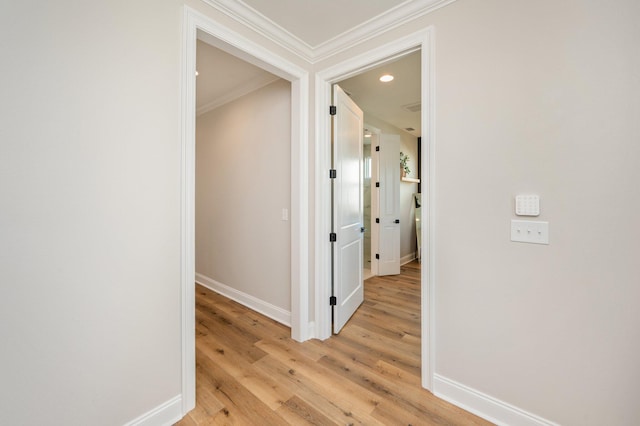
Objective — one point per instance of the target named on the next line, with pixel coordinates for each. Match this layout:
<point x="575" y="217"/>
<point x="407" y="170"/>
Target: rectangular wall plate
<point x="529" y="231"/>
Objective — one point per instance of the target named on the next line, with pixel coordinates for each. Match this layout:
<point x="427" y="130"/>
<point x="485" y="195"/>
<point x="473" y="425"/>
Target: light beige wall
<point x="243" y="168"/>
<point x="409" y="146"/>
<point x="538" y="97"/>
<point x="531" y="97"/>
<point x="89" y="210"/>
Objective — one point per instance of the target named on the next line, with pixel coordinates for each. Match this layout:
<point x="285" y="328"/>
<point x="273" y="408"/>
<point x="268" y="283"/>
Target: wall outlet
<point x="529" y="231"/>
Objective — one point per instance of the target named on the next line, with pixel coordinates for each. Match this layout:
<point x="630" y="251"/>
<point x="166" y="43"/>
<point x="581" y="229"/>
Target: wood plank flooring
<point x="250" y="372"/>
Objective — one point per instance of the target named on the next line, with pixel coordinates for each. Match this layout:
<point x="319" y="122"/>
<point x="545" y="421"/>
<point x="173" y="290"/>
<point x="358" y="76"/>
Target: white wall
<point x="89" y="210"/>
<point x="409" y="146"/>
<point x="538" y="97"/>
<point x="243" y="181"/>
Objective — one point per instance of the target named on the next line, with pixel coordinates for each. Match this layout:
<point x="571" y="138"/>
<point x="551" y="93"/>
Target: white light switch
<point x="529" y="231"/>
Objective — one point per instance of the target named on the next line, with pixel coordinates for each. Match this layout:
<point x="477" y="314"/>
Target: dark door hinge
<point x="377" y="148"/>
<point x="333" y="237"/>
<point x="377" y="220"/>
<point x="333" y="301"/>
<point x="397" y="221"/>
<point x="377" y="184"/>
<point x="377" y="256"/>
<point x="333" y="110"/>
<point x="332" y="174"/>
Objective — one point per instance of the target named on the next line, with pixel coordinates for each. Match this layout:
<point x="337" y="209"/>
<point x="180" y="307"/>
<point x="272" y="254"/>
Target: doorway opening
<point x="391" y="113"/>
<point x="325" y="79"/>
<point x="375" y="184"/>
<point x="200" y="27"/>
<point x="243" y="182"/>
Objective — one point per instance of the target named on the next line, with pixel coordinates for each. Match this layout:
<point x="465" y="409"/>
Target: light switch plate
<point x="529" y="231"/>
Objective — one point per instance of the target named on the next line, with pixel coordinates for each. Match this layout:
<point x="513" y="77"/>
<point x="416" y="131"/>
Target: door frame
<point x="375" y="199"/>
<point x="424" y="41"/>
<point x="197" y="25"/>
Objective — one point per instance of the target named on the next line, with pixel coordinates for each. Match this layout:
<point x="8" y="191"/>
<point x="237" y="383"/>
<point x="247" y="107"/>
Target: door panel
<point x="389" y="196"/>
<point x="347" y="208"/>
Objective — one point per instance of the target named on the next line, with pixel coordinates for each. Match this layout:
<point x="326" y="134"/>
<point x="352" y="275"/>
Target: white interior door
<point x="348" y="287"/>
<point x="389" y="199"/>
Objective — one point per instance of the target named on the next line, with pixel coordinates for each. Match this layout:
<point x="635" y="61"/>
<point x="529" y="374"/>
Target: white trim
<point x="265" y="308"/>
<point x="408" y="258"/>
<point x="375" y="198"/>
<point x="300" y="209"/>
<point x="322" y="190"/>
<point x="485" y="406"/>
<point x="251" y="18"/>
<point x="238" y="92"/>
<point x="187" y="210"/>
<point x="386" y="21"/>
<point x="390" y="19"/>
<point x="311" y="329"/>
<point x="164" y="414"/>
<point x="423" y="40"/>
<point x="428" y="153"/>
<point x="197" y="25"/>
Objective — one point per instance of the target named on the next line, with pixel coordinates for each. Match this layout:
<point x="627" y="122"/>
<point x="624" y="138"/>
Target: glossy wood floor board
<point x="250" y="372"/>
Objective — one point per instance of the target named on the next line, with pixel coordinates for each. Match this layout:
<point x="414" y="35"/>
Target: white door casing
<point x="348" y="288"/>
<point x="389" y="210"/>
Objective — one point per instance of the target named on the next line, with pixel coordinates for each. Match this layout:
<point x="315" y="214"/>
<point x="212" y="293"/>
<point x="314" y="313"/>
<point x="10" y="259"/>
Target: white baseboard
<point x="485" y="406"/>
<point x="265" y="308"/>
<point x="164" y="414"/>
<point x="408" y="258"/>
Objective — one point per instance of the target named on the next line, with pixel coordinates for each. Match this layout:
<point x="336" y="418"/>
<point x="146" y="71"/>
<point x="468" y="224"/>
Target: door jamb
<point x="423" y="40"/>
<point x="375" y="199"/>
<point x="196" y="24"/>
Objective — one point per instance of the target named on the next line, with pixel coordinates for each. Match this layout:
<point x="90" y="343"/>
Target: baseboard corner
<point x="265" y="308"/>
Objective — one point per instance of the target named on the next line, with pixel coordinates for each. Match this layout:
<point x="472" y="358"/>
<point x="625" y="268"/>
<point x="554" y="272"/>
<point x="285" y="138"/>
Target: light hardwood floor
<point x="250" y="372"/>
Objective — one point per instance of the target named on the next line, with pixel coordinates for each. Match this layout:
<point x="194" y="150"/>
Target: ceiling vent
<point x="415" y="107"/>
<point x="409" y="129"/>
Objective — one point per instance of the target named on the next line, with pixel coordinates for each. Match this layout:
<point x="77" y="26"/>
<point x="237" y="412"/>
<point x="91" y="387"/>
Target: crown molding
<point x="392" y="18"/>
<point x="237" y="92"/>
<point x="386" y="21"/>
<point x="251" y="18"/>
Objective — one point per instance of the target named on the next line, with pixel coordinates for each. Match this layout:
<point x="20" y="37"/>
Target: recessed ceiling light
<point x="367" y="135"/>
<point x="386" y="78"/>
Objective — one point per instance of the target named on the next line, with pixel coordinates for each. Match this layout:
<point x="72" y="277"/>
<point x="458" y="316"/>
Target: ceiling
<point x="396" y="102"/>
<point x="223" y="77"/>
<point x="316" y="21"/>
